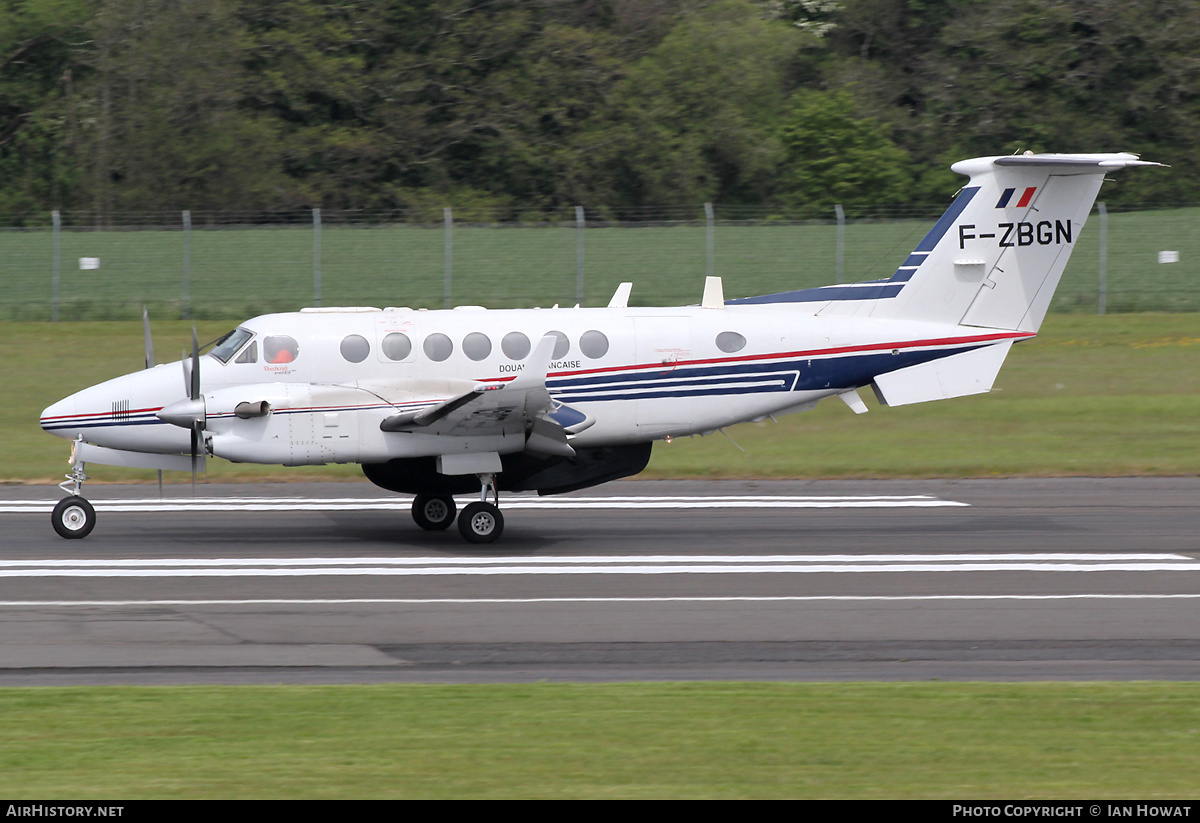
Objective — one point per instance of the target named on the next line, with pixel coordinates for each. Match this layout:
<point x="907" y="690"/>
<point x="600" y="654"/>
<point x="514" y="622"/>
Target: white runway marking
<point x="617" y="565"/>
<point x="496" y="601"/>
<point x="288" y="504"/>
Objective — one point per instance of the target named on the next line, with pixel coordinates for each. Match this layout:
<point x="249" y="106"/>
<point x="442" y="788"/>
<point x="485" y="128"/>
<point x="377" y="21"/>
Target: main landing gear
<point x="74" y="517"/>
<point x="479" y="522"/>
<point x="434" y="512"/>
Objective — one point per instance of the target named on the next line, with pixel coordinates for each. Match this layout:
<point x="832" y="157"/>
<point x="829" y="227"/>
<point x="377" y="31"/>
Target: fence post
<point x="56" y="219"/>
<point x="709" y="264"/>
<point x="448" y="220"/>
<point x="1102" y="297"/>
<point x="579" y="226"/>
<point x="840" y="213"/>
<point x="187" y="265"/>
<point x="316" y="218"/>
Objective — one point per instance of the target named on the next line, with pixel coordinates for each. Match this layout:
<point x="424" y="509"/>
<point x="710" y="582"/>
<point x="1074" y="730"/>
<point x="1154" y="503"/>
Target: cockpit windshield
<point x="228" y="344"/>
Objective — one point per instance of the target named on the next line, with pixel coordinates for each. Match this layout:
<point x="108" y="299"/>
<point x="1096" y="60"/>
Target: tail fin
<point x="995" y="257"/>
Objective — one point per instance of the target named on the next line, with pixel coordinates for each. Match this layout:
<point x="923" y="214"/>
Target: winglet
<point x="620" y="298"/>
<point x="714" y="294"/>
<point x="533" y="376"/>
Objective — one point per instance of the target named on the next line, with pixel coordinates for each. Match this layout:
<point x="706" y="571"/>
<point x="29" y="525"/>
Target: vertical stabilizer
<point x="995" y="257"/>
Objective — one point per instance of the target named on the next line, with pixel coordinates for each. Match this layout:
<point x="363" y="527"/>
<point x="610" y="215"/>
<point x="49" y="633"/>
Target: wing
<point x="522" y="405"/>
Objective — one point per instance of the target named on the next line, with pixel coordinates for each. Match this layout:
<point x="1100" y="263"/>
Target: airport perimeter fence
<point x="231" y="265"/>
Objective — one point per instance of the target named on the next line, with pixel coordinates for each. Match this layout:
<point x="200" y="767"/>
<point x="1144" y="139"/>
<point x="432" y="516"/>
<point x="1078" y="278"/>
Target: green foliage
<point x="535" y="105"/>
<point x="694" y="120"/>
<point x="833" y="156"/>
<point x="39" y="122"/>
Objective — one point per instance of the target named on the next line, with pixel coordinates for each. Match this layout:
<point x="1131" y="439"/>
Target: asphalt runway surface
<point x="1063" y="579"/>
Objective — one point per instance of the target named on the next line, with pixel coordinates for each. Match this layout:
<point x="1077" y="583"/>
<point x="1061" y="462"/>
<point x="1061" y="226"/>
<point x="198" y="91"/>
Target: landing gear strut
<point x="481" y="521"/>
<point x="74" y="517"/>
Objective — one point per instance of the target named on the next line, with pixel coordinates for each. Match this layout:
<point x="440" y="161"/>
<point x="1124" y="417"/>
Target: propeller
<point x="198" y="420"/>
<point x="149" y="347"/>
<point x="189" y="413"/>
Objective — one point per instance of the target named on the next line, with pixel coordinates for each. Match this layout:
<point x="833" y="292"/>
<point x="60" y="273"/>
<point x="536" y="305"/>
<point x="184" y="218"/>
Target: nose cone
<point x="61" y="418"/>
<point x="121" y="413"/>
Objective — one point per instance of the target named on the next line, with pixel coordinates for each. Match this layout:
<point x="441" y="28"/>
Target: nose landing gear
<point x="73" y="516"/>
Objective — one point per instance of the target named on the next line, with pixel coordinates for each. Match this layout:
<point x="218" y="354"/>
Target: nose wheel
<point x="74" y="517"/>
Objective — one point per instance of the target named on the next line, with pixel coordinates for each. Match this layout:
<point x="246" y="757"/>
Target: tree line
<point x="524" y="107"/>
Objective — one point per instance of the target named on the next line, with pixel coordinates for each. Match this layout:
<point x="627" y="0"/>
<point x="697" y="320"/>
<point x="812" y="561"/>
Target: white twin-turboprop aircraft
<point x="439" y="403"/>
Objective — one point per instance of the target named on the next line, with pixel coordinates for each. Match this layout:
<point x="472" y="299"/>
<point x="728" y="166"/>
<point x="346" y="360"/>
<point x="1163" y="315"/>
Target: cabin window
<point x="280" y="348"/>
<point x="355" y="348"/>
<point x="477" y="346"/>
<point x="515" y="346"/>
<point x="593" y="344"/>
<point x="561" y="345"/>
<point x="229" y="343"/>
<point x="396" y="346"/>
<point x="249" y="354"/>
<point x="438" y="347"/>
<point x="730" y="341"/>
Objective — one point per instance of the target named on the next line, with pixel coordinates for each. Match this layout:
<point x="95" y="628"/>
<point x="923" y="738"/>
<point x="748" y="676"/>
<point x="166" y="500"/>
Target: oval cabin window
<point x="593" y="344"/>
<point x="355" y="348"/>
<point x="396" y="346"/>
<point x="515" y="346"/>
<point x="730" y="342"/>
<point x="477" y="346"/>
<point x="438" y="347"/>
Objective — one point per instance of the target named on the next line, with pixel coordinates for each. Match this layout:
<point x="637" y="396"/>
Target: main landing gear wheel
<point x="481" y="522"/>
<point x="433" y="512"/>
<point x="74" y="517"/>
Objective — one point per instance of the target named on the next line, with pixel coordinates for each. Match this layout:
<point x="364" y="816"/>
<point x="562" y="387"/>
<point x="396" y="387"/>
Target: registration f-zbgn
<point x="474" y="401"/>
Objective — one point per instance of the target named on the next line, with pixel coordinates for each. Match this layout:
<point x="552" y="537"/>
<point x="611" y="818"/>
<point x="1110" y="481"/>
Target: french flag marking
<point x="1007" y="196"/>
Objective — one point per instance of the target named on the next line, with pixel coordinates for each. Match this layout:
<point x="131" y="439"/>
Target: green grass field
<point x="1105" y="396"/>
<point x="668" y="740"/>
<point x="235" y="273"/>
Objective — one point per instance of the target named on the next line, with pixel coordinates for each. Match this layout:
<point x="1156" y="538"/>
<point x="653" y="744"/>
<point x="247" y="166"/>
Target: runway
<point x="637" y="580"/>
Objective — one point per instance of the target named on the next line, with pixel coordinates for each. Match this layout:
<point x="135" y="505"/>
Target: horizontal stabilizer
<point x="971" y="372"/>
<point x="87" y="453"/>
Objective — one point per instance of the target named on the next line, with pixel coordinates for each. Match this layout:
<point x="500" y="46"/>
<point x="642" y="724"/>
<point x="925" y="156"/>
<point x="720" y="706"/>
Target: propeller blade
<point x="149" y="340"/>
<point x="194" y="388"/>
<point x="195" y="455"/>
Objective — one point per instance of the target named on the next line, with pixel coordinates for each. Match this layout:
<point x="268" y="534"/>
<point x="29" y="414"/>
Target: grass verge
<point x="666" y="740"/>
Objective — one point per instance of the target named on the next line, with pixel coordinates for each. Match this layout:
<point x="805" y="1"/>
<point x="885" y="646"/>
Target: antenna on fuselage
<point x="620" y="298"/>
